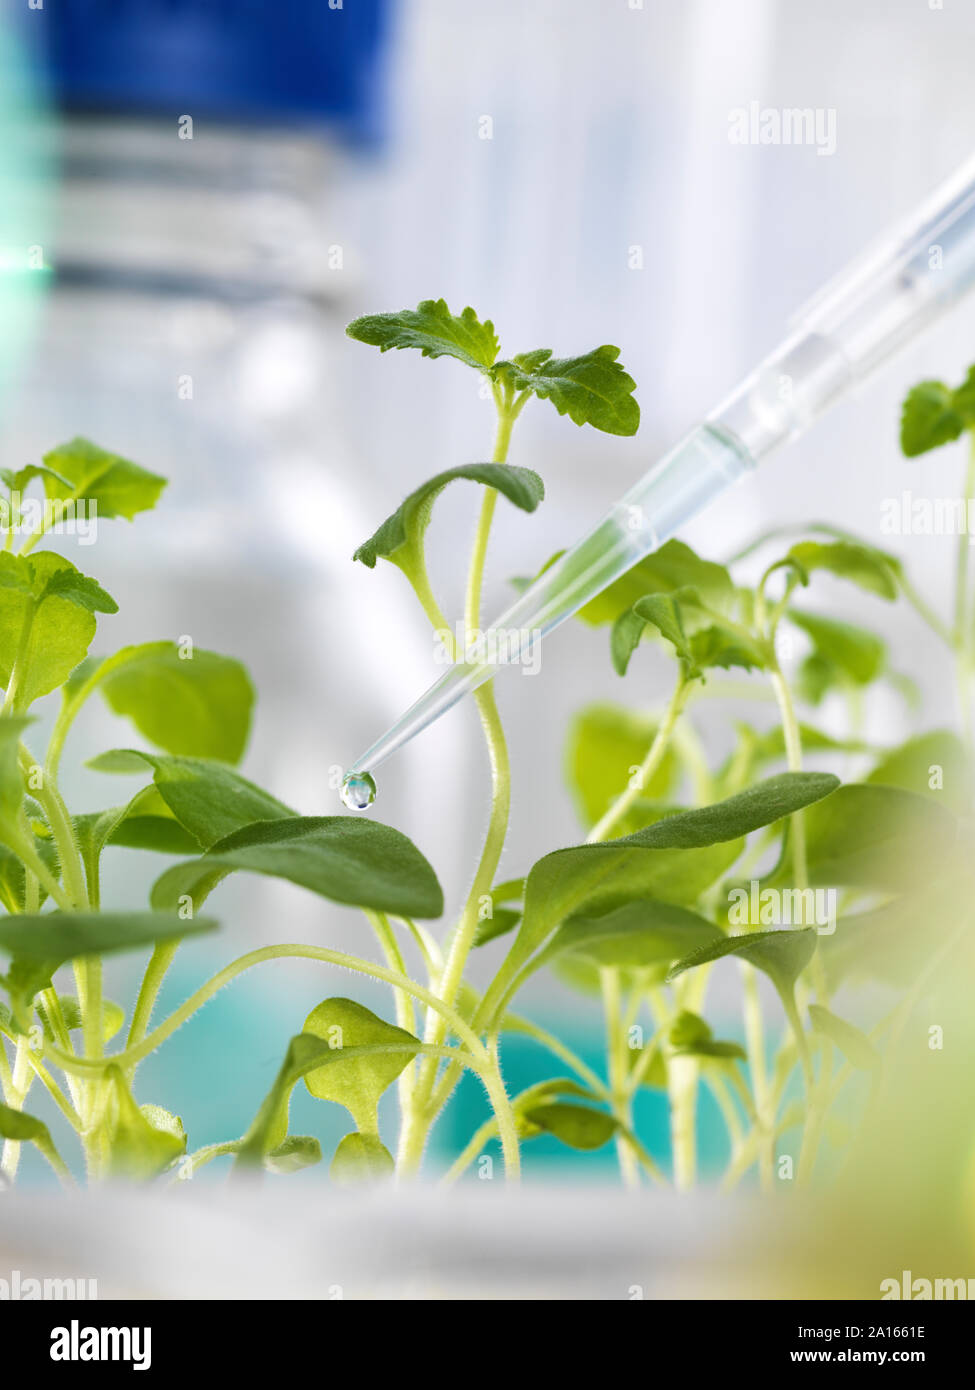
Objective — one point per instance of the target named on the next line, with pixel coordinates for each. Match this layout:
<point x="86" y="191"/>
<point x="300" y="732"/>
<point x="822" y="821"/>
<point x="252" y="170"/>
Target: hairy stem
<point x="133" y="1055"/>
<point x="405" y="1013"/>
<point x="423" y="1111"/>
<point x="640" y="779"/>
<point x="159" y="963"/>
<point x="793" y="753"/>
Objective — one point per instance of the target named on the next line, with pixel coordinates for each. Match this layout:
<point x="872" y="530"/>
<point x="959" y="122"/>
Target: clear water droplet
<point x="358" y="790"/>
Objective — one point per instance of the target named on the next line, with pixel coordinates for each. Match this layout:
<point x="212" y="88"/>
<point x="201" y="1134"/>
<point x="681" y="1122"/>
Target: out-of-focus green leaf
<point x="932" y="764"/>
<point x="855" y="1046"/>
<point x="606" y="746"/>
<point x="361" y="1158"/>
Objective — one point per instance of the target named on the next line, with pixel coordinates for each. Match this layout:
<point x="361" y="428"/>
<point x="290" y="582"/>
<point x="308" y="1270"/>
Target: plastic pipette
<point x="888" y="295"/>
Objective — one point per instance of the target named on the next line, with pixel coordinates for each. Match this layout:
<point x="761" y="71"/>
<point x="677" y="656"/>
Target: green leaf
<point x="306" y="1053"/>
<point x="359" y="1082"/>
<point x="22" y="1128"/>
<point x="61" y="936"/>
<point x="501" y="921"/>
<point x="875" y="837"/>
<point x="146" y="822"/>
<point x="932" y="764"/>
<point x="862" y="565"/>
<point x="599" y="877"/>
<point x="400" y="537"/>
<point x="434" y="330"/>
<point x="852" y="652"/>
<point x="929" y="418"/>
<point x="592" y="389"/>
<point x="195" y="705"/>
<point x="689" y="1028"/>
<point x="23" y="981"/>
<point x="726" y="646"/>
<point x="68" y="583"/>
<point x="164" y="1120"/>
<point x="712" y="1049"/>
<point x="855" y="1046"/>
<point x="80" y="469"/>
<point x="47" y="621"/>
<point x="636" y="936"/>
<point x="143" y="1142"/>
<point x="770" y="744"/>
<point x="654" y="1077"/>
<point x="342" y="858"/>
<point x="578" y="1126"/>
<point x="501" y="918"/>
<point x="11" y="880"/>
<point x="781" y="955"/>
<point x="361" y="1158"/>
<point x="816" y="678"/>
<point x="606" y="745"/>
<point x="892" y="943"/>
<point x="673" y="567"/>
<point x="550" y="1090"/>
<point x="964" y="398"/>
<point x="209" y="799"/>
<point x="296" y="1152"/>
<point x="17" y="480"/>
<point x="662" y="611"/>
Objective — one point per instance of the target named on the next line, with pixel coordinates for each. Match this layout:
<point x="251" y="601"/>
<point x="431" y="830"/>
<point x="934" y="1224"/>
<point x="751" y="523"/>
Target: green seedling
<point x="685" y="866"/>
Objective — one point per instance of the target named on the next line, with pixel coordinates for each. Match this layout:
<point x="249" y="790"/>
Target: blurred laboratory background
<point x="218" y="188"/>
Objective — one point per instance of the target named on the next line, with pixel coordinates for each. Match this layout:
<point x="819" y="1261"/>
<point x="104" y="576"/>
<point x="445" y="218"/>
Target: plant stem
<point x="729" y="1112"/>
<point x="428" y="948"/>
<point x="618" y="1069"/>
<point x="55" y="1092"/>
<point x="514" y="1023"/>
<point x="653" y="759"/>
<point x="46" y="790"/>
<point x="925" y="612"/>
<point x="962" y="628"/>
<point x="795" y="1022"/>
<point x="159" y="963"/>
<point x="473" y="1150"/>
<point x="504" y="1114"/>
<point x="16" y="670"/>
<point x="6" y="1076"/>
<point x="19" y="1085"/>
<point x="405" y="1014"/>
<point x="422" y="1111"/>
<point x="188" y="1166"/>
<point x="755" y="1041"/>
<point x="793" y="752"/>
<point x="405" y="1017"/>
<point x="682" y="1073"/>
